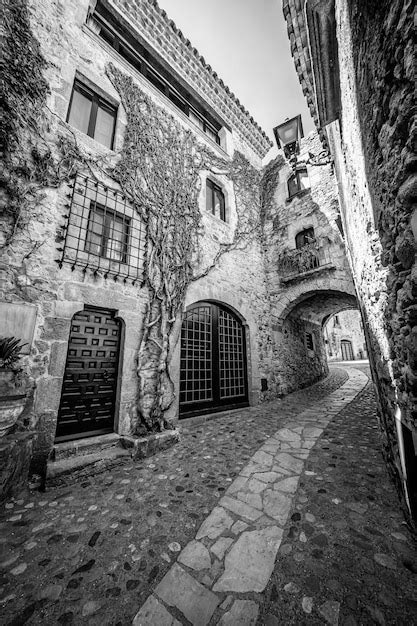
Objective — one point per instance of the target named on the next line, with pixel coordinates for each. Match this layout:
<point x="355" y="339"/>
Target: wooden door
<point x="347" y="352"/>
<point x="213" y="360"/>
<point x="90" y="380"/>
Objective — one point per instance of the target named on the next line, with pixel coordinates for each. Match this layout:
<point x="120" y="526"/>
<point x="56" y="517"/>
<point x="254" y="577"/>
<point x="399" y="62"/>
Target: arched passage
<point x="213" y="367"/>
<point x="317" y="306"/>
<point x="299" y="339"/>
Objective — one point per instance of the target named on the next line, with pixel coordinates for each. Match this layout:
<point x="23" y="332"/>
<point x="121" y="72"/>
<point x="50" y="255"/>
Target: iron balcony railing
<point x="299" y="261"/>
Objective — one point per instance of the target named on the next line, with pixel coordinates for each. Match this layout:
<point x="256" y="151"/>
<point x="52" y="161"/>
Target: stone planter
<point x="12" y="401"/>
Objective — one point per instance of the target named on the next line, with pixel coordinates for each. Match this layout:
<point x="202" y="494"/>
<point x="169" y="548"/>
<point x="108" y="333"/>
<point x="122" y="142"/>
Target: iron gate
<point x="213" y="360"/>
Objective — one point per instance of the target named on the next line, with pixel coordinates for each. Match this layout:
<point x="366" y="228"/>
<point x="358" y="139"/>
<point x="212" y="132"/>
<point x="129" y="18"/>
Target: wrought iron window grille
<point x="103" y="232"/>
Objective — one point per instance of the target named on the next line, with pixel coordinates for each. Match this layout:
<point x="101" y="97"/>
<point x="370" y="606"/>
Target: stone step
<point x="87" y="446"/>
<point x="72" y="469"/>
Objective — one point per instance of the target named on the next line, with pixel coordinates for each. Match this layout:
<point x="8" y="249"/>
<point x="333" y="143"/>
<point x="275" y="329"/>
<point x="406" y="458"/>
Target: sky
<point x="246" y="43"/>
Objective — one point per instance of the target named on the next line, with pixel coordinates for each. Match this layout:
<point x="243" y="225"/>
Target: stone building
<point x="78" y="273"/>
<point x="355" y="61"/>
<point x="344" y="338"/>
<point x="153" y="269"/>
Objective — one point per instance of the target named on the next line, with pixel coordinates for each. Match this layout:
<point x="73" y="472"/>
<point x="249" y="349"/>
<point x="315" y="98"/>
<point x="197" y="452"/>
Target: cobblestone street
<point x="93" y="552"/>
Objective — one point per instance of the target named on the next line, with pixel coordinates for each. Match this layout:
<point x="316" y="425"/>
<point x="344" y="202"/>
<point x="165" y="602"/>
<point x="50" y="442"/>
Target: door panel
<point x="90" y="380"/>
<point x="213" y="360"/>
<point x="231" y="360"/>
<point x="347" y="352"/>
<point x="196" y="356"/>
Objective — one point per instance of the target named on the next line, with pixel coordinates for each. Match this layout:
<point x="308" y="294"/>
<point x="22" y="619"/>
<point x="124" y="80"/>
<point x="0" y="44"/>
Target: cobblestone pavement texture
<point x="92" y="553"/>
<point x="235" y="548"/>
<point x="347" y="556"/>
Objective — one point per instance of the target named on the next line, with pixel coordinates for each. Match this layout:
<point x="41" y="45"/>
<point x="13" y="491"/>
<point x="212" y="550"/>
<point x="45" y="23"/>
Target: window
<point x="298" y="182"/>
<point x="304" y="238"/>
<point x="91" y="114"/>
<point x="336" y="321"/>
<point x="215" y="203"/>
<point x="309" y="341"/>
<point x="107" y="234"/>
<point x="204" y="125"/>
<point x="198" y="121"/>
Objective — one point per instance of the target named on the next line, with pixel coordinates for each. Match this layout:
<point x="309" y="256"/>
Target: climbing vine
<point x="159" y="168"/>
<point x="28" y="164"/>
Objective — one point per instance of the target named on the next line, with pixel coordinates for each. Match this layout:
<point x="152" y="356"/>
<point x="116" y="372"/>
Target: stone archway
<point x="316" y="299"/>
<point x="300" y="313"/>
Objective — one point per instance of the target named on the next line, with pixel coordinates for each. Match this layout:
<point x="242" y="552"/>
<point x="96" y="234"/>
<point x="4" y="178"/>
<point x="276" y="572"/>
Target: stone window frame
<point x="99" y="99"/>
<point x="226" y="186"/>
<point x="211" y="188"/>
<point x="302" y="232"/>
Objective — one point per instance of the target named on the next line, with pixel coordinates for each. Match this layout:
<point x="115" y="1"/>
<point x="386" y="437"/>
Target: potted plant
<point x="12" y="392"/>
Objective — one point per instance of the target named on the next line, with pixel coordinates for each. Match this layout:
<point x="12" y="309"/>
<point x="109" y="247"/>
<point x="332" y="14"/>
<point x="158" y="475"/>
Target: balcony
<point x="299" y="263"/>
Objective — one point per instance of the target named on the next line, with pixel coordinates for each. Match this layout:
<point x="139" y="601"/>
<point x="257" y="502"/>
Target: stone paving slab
<point x="153" y="612"/>
<point x="180" y="590"/>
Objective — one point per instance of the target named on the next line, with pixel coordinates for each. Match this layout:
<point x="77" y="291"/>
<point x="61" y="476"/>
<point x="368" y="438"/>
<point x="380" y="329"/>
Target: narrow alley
<point x="96" y="551"/>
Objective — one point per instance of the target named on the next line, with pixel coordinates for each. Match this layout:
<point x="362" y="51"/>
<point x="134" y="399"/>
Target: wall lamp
<point x="288" y="136"/>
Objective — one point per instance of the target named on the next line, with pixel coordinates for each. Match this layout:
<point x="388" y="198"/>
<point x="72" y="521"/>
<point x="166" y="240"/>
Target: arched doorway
<point x="347" y="352"/>
<point x="213" y="360"/>
<point x="89" y="388"/>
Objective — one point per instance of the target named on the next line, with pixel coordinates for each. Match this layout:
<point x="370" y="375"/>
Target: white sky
<point x="246" y="43"/>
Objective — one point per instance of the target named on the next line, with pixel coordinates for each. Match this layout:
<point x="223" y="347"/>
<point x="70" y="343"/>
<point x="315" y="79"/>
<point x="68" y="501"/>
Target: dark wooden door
<point x="213" y="360"/>
<point x="347" y="352"/>
<point x="90" y="380"/>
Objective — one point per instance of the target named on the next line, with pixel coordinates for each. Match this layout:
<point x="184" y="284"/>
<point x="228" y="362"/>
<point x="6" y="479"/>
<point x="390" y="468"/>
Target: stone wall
<point x="372" y="144"/>
<point x="297" y="366"/>
<point x="375" y="161"/>
<point x="385" y="89"/>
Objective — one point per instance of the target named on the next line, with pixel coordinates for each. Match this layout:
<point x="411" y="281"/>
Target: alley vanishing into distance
<point x="107" y="547"/>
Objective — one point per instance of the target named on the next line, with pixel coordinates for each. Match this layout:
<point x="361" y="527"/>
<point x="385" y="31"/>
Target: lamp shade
<point x="289" y="132"/>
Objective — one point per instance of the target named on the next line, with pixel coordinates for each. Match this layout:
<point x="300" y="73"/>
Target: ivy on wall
<point x="159" y="168"/>
<point x="28" y="164"/>
<point x="269" y="183"/>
